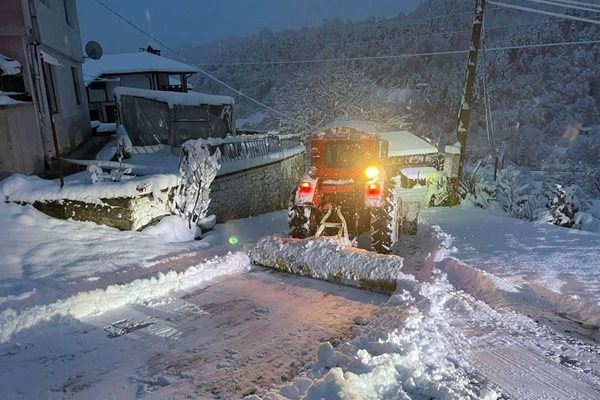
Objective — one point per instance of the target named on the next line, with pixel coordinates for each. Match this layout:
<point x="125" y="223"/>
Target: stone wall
<point x="256" y="190"/>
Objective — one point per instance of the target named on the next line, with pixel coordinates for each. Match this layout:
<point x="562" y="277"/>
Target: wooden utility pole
<point x="464" y="114"/>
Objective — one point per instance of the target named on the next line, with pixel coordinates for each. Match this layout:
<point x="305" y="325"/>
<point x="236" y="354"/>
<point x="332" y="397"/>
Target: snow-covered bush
<point x="438" y="189"/>
<point x="197" y="169"/>
<point x="562" y="209"/>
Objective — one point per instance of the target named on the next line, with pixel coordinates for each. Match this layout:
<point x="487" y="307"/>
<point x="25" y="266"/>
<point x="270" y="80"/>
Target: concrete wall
<point x="256" y="190"/>
<point x="18" y="152"/>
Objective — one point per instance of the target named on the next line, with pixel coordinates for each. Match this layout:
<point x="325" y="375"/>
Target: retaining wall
<point x="256" y="190"/>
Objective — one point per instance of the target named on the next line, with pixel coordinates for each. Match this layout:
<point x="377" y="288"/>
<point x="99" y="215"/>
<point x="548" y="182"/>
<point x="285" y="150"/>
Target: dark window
<point x="111" y="113"/>
<point x="50" y="89"/>
<point x="67" y="11"/>
<point x="76" y="85"/>
<point x="345" y="155"/>
<point x="99" y="85"/>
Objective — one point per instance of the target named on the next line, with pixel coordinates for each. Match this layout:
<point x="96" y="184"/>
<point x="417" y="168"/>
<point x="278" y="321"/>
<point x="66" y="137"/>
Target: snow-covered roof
<point x="404" y="143"/>
<point x="356" y="124"/>
<point x="174" y="98"/>
<point x="130" y="63"/>
<point x="8" y="66"/>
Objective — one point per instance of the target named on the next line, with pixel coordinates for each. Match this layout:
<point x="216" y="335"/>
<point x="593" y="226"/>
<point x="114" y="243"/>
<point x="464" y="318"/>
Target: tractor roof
<point x="344" y="133"/>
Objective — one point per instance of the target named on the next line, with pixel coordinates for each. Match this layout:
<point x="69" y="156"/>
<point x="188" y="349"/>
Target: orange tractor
<point x="347" y="191"/>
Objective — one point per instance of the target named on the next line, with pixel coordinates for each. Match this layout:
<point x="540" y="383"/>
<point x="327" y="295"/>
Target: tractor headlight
<point x="372" y="172"/>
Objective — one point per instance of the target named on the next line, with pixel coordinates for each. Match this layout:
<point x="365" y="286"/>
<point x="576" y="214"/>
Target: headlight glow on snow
<point x="233" y="240"/>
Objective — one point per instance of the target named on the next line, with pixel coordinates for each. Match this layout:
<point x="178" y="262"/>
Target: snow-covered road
<point x="242" y="334"/>
<point x="174" y="324"/>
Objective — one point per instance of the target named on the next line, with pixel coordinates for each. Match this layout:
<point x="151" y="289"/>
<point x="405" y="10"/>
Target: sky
<point x="193" y="22"/>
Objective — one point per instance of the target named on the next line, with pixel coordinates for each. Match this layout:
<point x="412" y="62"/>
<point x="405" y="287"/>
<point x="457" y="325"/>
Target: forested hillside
<point x="539" y="96"/>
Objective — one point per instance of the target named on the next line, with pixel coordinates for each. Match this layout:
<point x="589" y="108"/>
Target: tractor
<point x="347" y="191"/>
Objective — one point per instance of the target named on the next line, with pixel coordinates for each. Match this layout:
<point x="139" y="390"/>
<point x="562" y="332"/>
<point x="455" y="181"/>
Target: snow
<point x="453" y="148"/>
<point x="356" y="124"/>
<point x="46" y="259"/>
<point x="8" y="66"/>
<point x="130" y="63"/>
<point x="538" y="261"/>
<point x="399" y="95"/>
<point x="29" y="189"/>
<point x="85" y="304"/>
<point x="404" y="143"/>
<point x="325" y="258"/>
<point x="6" y="100"/>
<point x="173" y="229"/>
<point x="415" y="173"/>
<point x="105" y="127"/>
<point x="174" y="98"/>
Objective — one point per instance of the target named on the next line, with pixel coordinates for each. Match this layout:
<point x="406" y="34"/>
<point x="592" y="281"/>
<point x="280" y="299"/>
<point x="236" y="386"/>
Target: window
<point x="76" y="84"/>
<point x="50" y="89"/>
<point x="67" y="12"/>
<point x="345" y="155"/>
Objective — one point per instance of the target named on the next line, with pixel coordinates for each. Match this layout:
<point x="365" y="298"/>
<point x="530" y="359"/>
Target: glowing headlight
<point x="372" y="172"/>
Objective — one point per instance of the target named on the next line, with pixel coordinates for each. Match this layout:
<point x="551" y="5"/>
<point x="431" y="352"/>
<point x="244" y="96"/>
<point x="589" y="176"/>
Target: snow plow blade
<point x="325" y="259"/>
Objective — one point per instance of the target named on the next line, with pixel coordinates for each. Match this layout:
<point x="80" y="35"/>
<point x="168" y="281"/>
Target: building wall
<point x="61" y="39"/>
<point x="257" y="190"/>
<point x="18" y="153"/>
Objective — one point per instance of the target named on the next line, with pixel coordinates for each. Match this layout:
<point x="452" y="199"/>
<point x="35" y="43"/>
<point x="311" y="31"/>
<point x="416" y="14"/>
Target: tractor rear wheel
<point x="302" y="220"/>
<point x="382" y="232"/>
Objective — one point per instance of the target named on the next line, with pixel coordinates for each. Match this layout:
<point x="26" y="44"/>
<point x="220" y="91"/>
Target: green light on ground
<point x="233" y="240"/>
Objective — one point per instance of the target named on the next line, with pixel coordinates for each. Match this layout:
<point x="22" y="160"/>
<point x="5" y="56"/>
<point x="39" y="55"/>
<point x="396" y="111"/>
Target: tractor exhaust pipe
<point x="326" y="259"/>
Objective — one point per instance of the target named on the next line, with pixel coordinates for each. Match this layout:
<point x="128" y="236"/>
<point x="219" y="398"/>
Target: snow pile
<point x="173" y="229"/>
<point x="97" y="301"/>
<point x="174" y="98"/>
<point x="29" y="189"/>
<point x="412" y="349"/>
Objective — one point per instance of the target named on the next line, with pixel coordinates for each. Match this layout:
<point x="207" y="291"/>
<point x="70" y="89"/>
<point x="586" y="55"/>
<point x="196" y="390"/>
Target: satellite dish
<point x="93" y="50"/>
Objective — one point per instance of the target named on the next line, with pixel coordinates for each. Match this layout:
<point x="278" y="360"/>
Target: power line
<point x="534" y="10"/>
<point x="208" y="75"/>
<point x="405" y="55"/>
<point x="554" y="3"/>
<point x="579" y="3"/>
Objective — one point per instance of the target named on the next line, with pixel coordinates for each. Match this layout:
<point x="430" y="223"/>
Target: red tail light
<point x="305" y="187"/>
<point x="373" y="189"/>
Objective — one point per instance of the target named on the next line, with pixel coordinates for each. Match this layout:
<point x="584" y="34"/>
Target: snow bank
<point x="174" y="98"/>
<point x="98" y="301"/>
<point x="173" y="229"/>
<point x="29" y="189"/>
<point x="412" y="349"/>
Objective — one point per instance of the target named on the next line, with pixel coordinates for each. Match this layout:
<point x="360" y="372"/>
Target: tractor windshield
<point x="345" y="155"/>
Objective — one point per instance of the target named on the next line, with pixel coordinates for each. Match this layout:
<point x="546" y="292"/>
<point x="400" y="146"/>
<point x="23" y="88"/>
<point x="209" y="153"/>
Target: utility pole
<point x="464" y="114"/>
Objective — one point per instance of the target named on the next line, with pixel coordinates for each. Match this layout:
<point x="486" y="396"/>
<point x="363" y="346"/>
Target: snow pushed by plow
<point x="98" y="301"/>
<point x="324" y="258"/>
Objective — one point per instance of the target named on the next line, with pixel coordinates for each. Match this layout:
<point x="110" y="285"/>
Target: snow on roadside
<point x="97" y="301"/>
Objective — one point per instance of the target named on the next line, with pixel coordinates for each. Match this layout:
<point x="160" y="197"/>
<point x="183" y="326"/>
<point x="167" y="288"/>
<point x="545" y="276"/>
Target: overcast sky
<point x="191" y="22"/>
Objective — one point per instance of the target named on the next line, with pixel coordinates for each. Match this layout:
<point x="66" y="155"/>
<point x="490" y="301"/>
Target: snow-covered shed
<point x="154" y="117"/>
<point x="143" y="70"/>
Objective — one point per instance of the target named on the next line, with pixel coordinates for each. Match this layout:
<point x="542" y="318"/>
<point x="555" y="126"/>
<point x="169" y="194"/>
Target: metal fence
<point x="245" y="147"/>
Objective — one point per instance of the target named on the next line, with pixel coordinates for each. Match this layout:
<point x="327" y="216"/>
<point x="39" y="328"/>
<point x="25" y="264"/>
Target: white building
<point x="44" y="111"/>
<point x="145" y="69"/>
